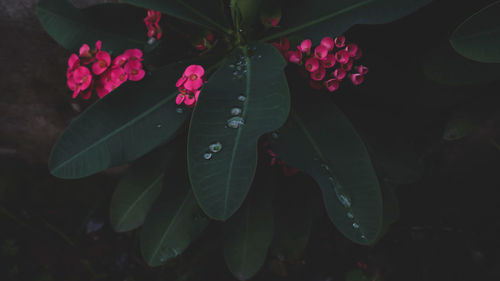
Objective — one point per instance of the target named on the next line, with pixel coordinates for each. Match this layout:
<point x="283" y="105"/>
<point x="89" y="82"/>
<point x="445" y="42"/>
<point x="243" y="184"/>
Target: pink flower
<point x="347" y="66"/>
<point x="152" y="24"/>
<point x="119" y="76"/>
<point x="120" y="60"/>
<point x="329" y="61"/>
<point x="87" y="56"/>
<point x="363" y="70"/>
<point x="134" y="70"/>
<point x="79" y="80"/>
<point x="181" y="81"/>
<point x="328" y="43"/>
<point x="295" y="57"/>
<point x="283" y="46"/>
<point x="319" y="74"/>
<point x="340" y="41"/>
<point x="358" y="54"/>
<point x="339" y="74"/>
<point x="133" y="54"/>
<point x="312" y="64"/>
<point x="352" y="49"/>
<point x="342" y="56"/>
<point x="357" y="78"/>
<point x="305" y="46"/>
<point x="189" y="98"/>
<point x="103" y="60"/>
<point x="332" y="84"/>
<point x="194" y="77"/>
<point x="320" y="52"/>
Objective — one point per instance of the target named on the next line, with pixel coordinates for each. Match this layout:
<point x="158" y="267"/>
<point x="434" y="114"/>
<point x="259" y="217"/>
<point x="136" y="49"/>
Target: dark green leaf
<point x="174" y="221"/>
<point x="247" y="9"/>
<point x="444" y="66"/>
<point x="207" y="13"/>
<point x="139" y="188"/>
<point x="315" y="19"/>
<point x="250" y="231"/>
<point x="319" y="140"/>
<point x="127" y="123"/>
<point x="72" y="27"/>
<point x="253" y="89"/>
<point x="478" y="38"/>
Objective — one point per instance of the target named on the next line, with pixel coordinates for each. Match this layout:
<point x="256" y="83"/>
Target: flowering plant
<point x="220" y="96"/>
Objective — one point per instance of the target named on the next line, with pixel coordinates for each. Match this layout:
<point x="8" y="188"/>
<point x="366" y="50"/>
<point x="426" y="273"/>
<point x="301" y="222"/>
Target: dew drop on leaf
<point x="235" y="111"/>
<point x="350" y="215"/>
<point x="179" y="110"/>
<point x="207" y="156"/>
<point x="242" y="98"/>
<point x="235" y="122"/>
<point x="355" y="225"/>
<point x="215" y="147"/>
<point x="151" y="40"/>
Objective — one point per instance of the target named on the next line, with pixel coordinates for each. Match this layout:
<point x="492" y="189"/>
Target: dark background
<point x="448" y="226"/>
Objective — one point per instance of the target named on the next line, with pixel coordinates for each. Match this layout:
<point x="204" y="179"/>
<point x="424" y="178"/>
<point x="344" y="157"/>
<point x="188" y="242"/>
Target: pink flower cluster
<point x="328" y="63"/>
<point x="105" y="74"/>
<point x="189" y="85"/>
<point x="152" y="21"/>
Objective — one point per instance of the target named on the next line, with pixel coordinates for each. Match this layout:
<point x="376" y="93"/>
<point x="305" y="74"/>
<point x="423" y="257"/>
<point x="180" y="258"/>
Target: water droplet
<point x="326" y="168"/>
<point x="363" y="237"/>
<point x="238" y="67"/>
<point x="259" y="56"/>
<point x="207" y="155"/>
<point x="350" y="215"/>
<point x="355" y="225"/>
<point x="235" y="122"/>
<point x="151" y="40"/>
<point x="175" y="251"/>
<point x="344" y="200"/>
<point x="236" y="73"/>
<point x="215" y="147"/>
<point x="158" y="126"/>
<point x="231" y="65"/>
<point x="275" y="135"/>
<point x="241" y="30"/>
<point x="235" y="111"/>
<point x="242" y="98"/>
<point x="179" y="110"/>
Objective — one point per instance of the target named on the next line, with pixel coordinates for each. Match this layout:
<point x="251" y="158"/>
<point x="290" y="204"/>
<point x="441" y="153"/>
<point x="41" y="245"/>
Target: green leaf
<point x="315" y="19"/>
<point x="207" y="13"/>
<point x="478" y="38"/>
<point x="444" y="66"/>
<point x="248" y="10"/>
<point x="72" y="27"/>
<point x="174" y="221"/>
<point x="126" y="124"/>
<point x="139" y="188"/>
<point x="319" y="140"/>
<point x="254" y="89"/>
<point x="250" y="231"/>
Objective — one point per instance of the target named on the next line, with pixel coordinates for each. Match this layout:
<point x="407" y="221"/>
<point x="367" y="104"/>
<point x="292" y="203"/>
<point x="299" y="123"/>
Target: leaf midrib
<point x="114" y="132"/>
<point x="172" y="222"/>
<point x="238" y="134"/>
<point x="145" y="191"/>
<point x="313" y="22"/>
